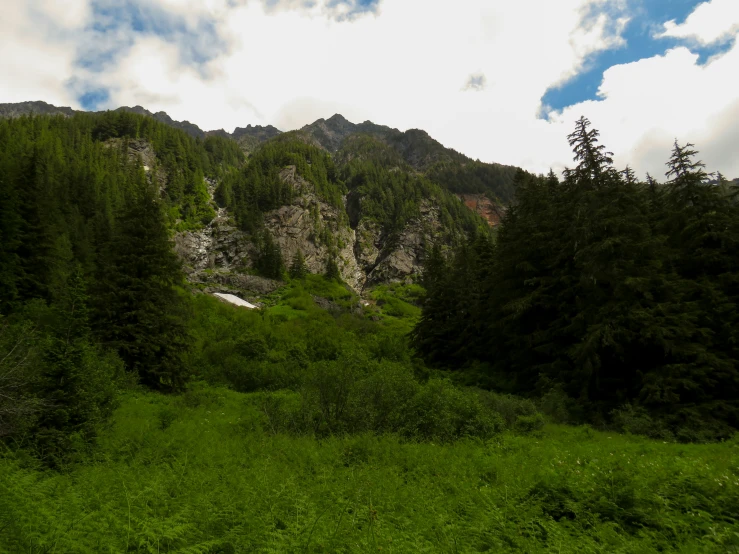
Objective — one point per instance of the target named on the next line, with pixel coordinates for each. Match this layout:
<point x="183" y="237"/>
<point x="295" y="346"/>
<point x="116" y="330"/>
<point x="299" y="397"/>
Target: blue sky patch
<point x="647" y="19"/>
<point x="91" y="100"/>
<point x="116" y="27"/>
<point x="357" y="7"/>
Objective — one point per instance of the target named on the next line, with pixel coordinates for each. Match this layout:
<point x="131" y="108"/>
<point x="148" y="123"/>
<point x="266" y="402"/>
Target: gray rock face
<point x="403" y="258"/>
<point x="141" y="151"/>
<point x="220" y="245"/>
<point x="218" y="253"/>
<point x="226" y="281"/>
<point x="315" y="228"/>
<point x="33" y="108"/>
<point x="368" y="244"/>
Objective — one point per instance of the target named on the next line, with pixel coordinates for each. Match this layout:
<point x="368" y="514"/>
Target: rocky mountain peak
<point x="36" y="107"/>
<point x="258" y="132"/>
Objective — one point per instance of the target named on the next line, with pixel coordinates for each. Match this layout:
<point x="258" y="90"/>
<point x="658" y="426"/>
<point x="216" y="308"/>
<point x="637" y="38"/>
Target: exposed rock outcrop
<point x="483" y="206"/>
<point x="33" y="108"/>
<point x="317" y="229"/>
<point x="368" y="244"/>
<point x="226" y="281"/>
<point x="141" y="151"/>
<point x="402" y="257"/>
<point x="220" y="245"/>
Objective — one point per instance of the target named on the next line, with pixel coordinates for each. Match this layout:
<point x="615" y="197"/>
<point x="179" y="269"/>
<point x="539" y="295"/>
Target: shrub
<point x="442" y="412"/>
<point x="511" y="408"/>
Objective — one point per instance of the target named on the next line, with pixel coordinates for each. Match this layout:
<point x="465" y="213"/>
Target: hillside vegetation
<point x="621" y="295"/>
<point x="566" y="385"/>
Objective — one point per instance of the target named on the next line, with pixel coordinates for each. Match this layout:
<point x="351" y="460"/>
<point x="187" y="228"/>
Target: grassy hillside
<point x="205" y="472"/>
<point x="311" y="429"/>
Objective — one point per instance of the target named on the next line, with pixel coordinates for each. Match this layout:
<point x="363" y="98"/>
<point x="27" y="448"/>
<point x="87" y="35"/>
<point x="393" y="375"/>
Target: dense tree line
<point x="622" y="294"/>
<point x="392" y="195"/>
<point x="257" y="188"/>
<point x="87" y="273"/>
<point x="475" y="177"/>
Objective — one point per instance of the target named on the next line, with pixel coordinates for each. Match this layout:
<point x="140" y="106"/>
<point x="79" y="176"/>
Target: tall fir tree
<point x="298" y="269"/>
<point x="140" y="313"/>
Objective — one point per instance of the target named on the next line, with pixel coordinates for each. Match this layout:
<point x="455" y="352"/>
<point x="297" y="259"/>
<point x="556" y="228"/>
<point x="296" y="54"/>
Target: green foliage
<point x="399" y="301"/>
<point x="494" y="180"/>
<point x="609" y="291"/>
<point x="205" y="472"/>
<point x="392" y="196"/>
<point x="269" y="259"/>
<point x="20" y="373"/>
<point x="298" y="269"/>
<point x="259" y="187"/>
<point x="141" y="314"/>
<point x="332" y="269"/>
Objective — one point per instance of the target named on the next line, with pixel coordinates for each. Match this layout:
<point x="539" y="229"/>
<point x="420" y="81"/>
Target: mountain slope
<point x="445" y="166"/>
<point x="33" y="108"/>
<point x="365" y="206"/>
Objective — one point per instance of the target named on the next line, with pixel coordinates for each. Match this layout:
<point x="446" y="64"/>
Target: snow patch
<point x="235" y="300"/>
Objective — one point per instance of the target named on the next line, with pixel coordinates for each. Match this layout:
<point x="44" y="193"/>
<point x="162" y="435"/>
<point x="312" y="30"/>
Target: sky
<point x="500" y="81"/>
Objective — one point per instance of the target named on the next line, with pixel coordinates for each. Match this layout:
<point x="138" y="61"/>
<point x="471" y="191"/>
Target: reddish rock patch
<point x="481" y="204"/>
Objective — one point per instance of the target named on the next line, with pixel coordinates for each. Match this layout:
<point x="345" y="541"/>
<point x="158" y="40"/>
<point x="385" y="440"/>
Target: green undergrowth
<point x="205" y="472"/>
<point x="399" y="300"/>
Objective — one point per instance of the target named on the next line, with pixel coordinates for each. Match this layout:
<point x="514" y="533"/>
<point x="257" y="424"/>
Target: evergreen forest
<point x="565" y="382"/>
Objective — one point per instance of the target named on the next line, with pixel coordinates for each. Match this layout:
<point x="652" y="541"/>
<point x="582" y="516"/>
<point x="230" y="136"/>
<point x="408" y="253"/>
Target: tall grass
<point x="205" y="473"/>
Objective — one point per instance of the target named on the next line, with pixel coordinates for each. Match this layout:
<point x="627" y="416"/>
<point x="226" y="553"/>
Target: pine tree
<point x="298" y="269"/>
<point x="140" y="313"/>
<point x="10" y="231"/>
<point x="269" y="261"/>
<point x="332" y="269"/>
<point x="79" y="381"/>
<point x="434" y="334"/>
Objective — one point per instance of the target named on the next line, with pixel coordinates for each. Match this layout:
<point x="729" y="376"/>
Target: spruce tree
<point x="332" y="269"/>
<point x="298" y="269"/>
<point x="79" y="381"/>
<point x="140" y="313"/>
<point x="434" y="334"/>
<point x="269" y="260"/>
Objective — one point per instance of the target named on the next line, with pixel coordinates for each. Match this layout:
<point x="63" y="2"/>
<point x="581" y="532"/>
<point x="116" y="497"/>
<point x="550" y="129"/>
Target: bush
<point x="378" y="398"/>
<point x="637" y="421"/>
<point x="511" y="408"/>
<point x="529" y="423"/>
<point x="442" y="412"/>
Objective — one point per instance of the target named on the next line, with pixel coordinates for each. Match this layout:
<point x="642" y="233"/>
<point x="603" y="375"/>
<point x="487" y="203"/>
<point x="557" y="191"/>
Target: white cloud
<point x="289" y="62"/>
<point x="709" y="22"/>
<point x="648" y="104"/>
<point x="37" y="49"/>
<point x="403" y="67"/>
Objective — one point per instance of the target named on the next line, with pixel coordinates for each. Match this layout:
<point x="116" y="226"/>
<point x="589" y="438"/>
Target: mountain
<point x="365" y="198"/>
<point x="258" y="132"/>
<point x="190" y="128"/>
<point x="445" y="166"/>
<point x="33" y="108"/>
<point x="249" y="137"/>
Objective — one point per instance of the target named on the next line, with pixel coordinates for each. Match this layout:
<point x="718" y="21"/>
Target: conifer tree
<point x="435" y="332"/>
<point x="332" y="269"/>
<point x="140" y="313"/>
<point x="79" y="381"/>
<point x="298" y="269"/>
<point x="269" y="261"/>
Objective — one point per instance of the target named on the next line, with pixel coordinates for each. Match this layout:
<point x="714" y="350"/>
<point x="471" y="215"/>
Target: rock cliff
<point x="490" y="211"/>
<point x="219" y="254"/>
<point x="317" y="229"/>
